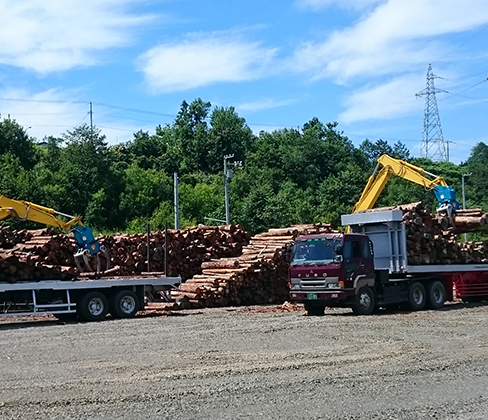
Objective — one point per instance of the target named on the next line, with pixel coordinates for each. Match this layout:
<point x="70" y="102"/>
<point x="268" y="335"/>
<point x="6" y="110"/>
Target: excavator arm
<point x="445" y="195"/>
<point x="87" y="245"/>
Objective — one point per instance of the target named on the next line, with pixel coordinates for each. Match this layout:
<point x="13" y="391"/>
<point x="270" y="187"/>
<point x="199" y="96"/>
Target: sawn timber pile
<point x="431" y="239"/>
<point x="257" y="276"/>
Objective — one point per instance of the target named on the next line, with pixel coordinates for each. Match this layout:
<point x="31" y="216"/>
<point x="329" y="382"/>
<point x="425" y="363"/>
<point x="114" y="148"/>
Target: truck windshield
<point x="320" y="251"/>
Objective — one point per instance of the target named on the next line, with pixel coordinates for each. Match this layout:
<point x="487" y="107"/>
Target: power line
<point x="42" y="101"/>
<point x="465" y="90"/>
<point x="464" y="43"/>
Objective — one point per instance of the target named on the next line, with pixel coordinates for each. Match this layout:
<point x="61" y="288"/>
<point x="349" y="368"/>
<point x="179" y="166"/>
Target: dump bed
<point x="388" y="234"/>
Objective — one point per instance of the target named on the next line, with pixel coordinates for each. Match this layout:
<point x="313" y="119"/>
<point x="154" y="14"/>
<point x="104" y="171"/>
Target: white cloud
<point x="261" y="104"/>
<point x="54" y="35"/>
<point x="349" y="4"/>
<point x="395" y="37"/>
<point x="203" y="59"/>
<point x="386" y="101"/>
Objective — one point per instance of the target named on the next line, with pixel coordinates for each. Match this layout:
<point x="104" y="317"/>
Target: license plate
<point x="312" y="296"/>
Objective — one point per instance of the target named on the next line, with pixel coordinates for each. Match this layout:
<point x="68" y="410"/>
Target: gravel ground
<point x="249" y="363"/>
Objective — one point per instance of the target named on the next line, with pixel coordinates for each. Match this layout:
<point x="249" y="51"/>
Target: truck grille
<point x="314" y="283"/>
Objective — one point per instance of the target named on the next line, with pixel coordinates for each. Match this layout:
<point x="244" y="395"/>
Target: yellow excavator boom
<point x="390" y="166"/>
<point x="87" y="245"/>
<point x="29" y="211"/>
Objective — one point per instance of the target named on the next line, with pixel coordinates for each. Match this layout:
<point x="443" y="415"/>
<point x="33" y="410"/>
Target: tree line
<point x="288" y="176"/>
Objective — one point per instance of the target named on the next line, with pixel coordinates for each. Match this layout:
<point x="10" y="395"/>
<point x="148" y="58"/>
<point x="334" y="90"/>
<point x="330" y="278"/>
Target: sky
<point x="359" y="63"/>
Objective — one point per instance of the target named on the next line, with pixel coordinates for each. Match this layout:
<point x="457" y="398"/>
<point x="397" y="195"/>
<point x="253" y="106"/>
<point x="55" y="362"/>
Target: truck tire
<point x="124" y="304"/>
<point x="314" y="309"/>
<point x="417" y="296"/>
<point x="436" y="295"/>
<point x="364" y="302"/>
<point x="93" y="306"/>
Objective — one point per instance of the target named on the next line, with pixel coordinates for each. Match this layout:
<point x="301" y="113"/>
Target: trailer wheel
<point x="364" y="302"/>
<point x="93" y="306"/>
<point x="124" y="304"/>
<point x="416" y="296"/>
<point x="436" y="295"/>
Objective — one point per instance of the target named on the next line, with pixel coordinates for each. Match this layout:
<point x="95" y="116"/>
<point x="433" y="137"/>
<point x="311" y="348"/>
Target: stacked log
<point x="9" y="238"/>
<point x="42" y="254"/>
<point x="258" y="276"/>
<point x="431" y="239"/>
<point x="38" y="256"/>
<point x="187" y="249"/>
<point x="469" y="220"/>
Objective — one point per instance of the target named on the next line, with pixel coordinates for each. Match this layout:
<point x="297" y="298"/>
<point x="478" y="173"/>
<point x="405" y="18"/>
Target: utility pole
<point x="227" y="175"/>
<point x="91" y="116"/>
<point x="433" y="145"/>
<point x="464" y="200"/>
<point x="176" y="201"/>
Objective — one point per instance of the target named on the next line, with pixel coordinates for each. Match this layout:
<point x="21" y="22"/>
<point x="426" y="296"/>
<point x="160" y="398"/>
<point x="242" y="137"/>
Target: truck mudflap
<point x="329" y="295"/>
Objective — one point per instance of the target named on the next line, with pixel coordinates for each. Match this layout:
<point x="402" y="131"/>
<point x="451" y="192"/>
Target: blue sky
<point x="279" y="63"/>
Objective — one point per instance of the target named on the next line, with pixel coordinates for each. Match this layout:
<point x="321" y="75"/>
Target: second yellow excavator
<point x="445" y="195"/>
<point x="88" y="246"/>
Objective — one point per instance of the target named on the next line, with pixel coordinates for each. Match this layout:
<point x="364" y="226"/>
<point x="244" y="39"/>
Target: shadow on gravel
<point x="48" y="321"/>
<point x="452" y="306"/>
<point x="17" y="325"/>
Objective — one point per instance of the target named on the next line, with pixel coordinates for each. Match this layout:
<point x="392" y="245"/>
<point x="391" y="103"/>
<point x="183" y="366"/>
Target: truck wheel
<point x="416" y="296"/>
<point x="124" y="304"/>
<point x="314" y="309"/>
<point x="436" y="295"/>
<point x="93" y="306"/>
<point x="364" y="302"/>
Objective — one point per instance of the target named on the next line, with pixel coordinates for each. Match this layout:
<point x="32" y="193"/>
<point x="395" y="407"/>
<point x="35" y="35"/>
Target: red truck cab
<point x="333" y="269"/>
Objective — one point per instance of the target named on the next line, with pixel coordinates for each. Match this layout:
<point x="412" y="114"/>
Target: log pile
<point x="431" y="239"/>
<point x="9" y="238"/>
<point x="37" y="256"/>
<point x="469" y="220"/>
<point x="257" y="276"/>
<point x="187" y="249"/>
<point x="42" y="254"/>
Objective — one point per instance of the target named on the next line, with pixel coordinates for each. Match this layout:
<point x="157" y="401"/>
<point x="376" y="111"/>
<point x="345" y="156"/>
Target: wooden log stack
<point x="187" y="249"/>
<point x="258" y="276"/>
<point x="42" y="254"/>
<point x="431" y="239"/>
<point x="37" y="255"/>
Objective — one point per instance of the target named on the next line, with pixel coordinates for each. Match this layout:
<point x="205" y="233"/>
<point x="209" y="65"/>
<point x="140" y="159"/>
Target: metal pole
<point x="226" y="190"/>
<point x="91" y="116"/>
<point x="464" y="200"/>
<point x="166" y="249"/>
<point x="177" y="204"/>
<point x="148" y="244"/>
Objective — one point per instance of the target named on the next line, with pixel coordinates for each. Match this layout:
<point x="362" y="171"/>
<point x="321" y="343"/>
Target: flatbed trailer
<point x="90" y="299"/>
<point x="368" y="268"/>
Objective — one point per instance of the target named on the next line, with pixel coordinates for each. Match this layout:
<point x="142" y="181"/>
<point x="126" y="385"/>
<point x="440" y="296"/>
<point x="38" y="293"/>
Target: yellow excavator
<point x="87" y="248"/>
<point x="445" y="195"/>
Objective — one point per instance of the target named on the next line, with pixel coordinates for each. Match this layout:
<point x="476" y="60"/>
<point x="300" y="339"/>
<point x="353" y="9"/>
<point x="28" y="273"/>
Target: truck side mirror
<point x="338" y="252"/>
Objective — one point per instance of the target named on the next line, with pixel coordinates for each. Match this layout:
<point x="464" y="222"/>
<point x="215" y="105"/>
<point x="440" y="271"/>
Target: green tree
<point x="14" y="140"/>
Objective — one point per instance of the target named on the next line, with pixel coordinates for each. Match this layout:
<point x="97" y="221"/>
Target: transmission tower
<point x="433" y="145"/>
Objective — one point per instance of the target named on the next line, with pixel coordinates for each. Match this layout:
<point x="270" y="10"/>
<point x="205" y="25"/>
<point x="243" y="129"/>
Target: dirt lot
<point x="249" y="363"/>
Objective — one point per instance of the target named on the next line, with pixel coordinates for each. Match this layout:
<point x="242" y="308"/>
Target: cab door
<point x="358" y="261"/>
